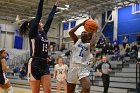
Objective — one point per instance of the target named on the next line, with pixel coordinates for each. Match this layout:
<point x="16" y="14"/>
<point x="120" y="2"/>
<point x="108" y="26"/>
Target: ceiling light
<point x="67" y="6"/>
<point x="63" y="21"/>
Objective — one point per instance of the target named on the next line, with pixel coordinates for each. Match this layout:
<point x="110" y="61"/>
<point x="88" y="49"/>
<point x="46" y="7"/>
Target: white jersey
<point x="61" y="71"/>
<point x="80" y="53"/>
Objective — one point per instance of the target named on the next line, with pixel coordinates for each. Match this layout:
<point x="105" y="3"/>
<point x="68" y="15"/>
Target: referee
<point x="105" y="68"/>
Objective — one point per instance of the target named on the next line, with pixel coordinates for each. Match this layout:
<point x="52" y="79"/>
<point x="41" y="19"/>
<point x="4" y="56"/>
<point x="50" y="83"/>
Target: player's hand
<point x="84" y="22"/>
<point x="57" y="2"/>
<point x="7" y="67"/>
<point x="109" y="70"/>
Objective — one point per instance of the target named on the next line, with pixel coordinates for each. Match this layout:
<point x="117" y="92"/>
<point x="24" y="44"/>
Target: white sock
<point x="9" y="90"/>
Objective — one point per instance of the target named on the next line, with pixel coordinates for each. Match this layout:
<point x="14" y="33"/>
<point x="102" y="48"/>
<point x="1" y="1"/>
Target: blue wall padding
<point x="128" y="24"/>
<point x="18" y="42"/>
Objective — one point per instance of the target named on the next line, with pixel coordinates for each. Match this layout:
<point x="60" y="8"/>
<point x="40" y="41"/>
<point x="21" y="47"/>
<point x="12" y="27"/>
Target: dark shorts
<point x="37" y="68"/>
<point x="2" y="79"/>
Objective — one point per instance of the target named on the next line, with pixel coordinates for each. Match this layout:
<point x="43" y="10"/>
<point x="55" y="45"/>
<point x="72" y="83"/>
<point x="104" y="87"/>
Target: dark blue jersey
<point x="1" y="71"/>
<point x="38" y="39"/>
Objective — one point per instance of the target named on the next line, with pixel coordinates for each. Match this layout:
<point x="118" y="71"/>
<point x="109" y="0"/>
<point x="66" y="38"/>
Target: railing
<point x="131" y="37"/>
<point x="19" y="59"/>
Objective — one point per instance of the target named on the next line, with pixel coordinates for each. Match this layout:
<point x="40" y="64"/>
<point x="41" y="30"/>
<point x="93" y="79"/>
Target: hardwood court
<point x="24" y="90"/>
<point x="20" y="90"/>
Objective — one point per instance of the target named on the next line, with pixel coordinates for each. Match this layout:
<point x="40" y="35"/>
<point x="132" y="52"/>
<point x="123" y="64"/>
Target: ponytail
<point x="25" y="27"/>
<point x="23" y="30"/>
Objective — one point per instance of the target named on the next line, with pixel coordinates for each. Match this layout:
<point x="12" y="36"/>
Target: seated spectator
<point x="134" y="50"/>
<point x="104" y="49"/>
<point x="127" y="50"/>
<point x="98" y="53"/>
<point x="109" y="48"/>
<point x="100" y="43"/>
<point x="116" y="47"/>
<point x="51" y="60"/>
<point x="97" y="63"/>
<point x="22" y="73"/>
<point x="68" y="53"/>
<point x="116" y="54"/>
<point x="63" y="47"/>
<point x="16" y="70"/>
<point x="115" y="41"/>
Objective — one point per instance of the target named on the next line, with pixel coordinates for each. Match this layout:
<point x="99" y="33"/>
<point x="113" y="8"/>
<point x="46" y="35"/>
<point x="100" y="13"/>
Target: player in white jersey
<point x="60" y="73"/>
<point x="79" y="64"/>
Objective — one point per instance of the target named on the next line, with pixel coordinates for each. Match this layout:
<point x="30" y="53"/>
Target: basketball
<point x="90" y="25"/>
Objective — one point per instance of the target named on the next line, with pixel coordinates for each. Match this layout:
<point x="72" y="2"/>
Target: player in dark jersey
<point x="4" y="82"/>
<point x="38" y="69"/>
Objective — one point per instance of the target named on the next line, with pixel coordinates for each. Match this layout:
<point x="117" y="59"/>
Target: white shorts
<point x="77" y="72"/>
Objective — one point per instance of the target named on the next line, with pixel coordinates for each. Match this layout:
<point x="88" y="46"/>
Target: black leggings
<point x="106" y="81"/>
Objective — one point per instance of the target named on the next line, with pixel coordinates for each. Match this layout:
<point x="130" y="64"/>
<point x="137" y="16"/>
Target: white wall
<point x="6" y="39"/>
<point x="8" y="28"/>
<point x="98" y="19"/>
<point x="7" y="35"/>
<point x="78" y="32"/>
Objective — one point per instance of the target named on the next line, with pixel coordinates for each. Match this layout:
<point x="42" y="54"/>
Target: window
<point x="136" y="8"/>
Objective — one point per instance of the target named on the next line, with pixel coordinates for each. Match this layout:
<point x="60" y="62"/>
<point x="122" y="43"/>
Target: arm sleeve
<point x="50" y="18"/>
<point x="109" y="66"/>
<point x="34" y="24"/>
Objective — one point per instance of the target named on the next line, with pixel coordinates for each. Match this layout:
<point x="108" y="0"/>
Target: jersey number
<point x="60" y="72"/>
<point x="81" y="53"/>
<point x="45" y="48"/>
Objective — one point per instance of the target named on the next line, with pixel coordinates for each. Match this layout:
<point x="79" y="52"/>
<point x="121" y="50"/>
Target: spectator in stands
<point x="4" y="82"/>
<point x="38" y="68"/>
<point x="127" y="50"/>
<point x="138" y="39"/>
<point x="115" y="41"/>
<point x="63" y="47"/>
<point x="134" y="50"/>
<point x="116" y="47"/>
<point x="116" y="52"/>
<point x="98" y="52"/>
<point x="100" y="43"/>
<point x="60" y="74"/>
<point x="98" y="61"/>
<point x="16" y="70"/>
<point x="125" y="41"/>
<point x="68" y="53"/>
<point x="105" y="68"/>
<point x="51" y="61"/>
<point x="109" y="48"/>
<point x="22" y="73"/>
<point x="104" y="49"/>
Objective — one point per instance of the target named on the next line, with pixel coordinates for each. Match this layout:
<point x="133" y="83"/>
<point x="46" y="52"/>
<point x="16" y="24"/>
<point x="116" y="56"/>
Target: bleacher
<point x="16" y="56"/>
<point x="122" y="80"/>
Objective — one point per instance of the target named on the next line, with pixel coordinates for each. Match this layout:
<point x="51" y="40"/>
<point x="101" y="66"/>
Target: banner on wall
<point x="66" y="26"/>
<point x="73" y="23"/>
<point x="18" y="42"/>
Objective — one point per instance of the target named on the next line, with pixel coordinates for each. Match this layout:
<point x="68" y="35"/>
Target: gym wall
<point x="128" y="24"/>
